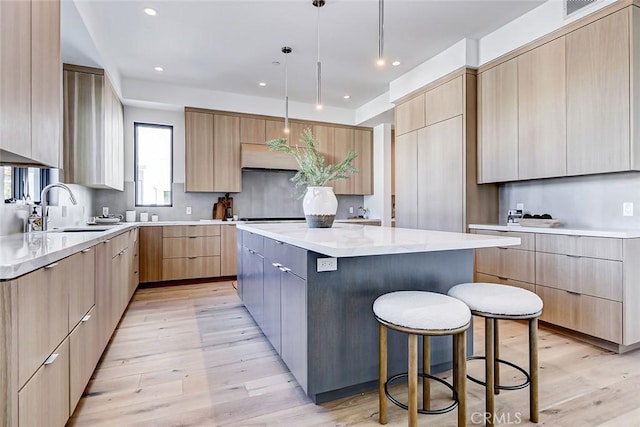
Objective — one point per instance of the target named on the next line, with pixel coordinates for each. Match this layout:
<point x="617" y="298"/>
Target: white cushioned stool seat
<point x="497" y="299"/>
<point x="421" y="310"/>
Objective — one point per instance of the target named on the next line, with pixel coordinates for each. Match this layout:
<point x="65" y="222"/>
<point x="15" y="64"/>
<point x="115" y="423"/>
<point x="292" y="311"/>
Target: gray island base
<point x="321" y="323"/>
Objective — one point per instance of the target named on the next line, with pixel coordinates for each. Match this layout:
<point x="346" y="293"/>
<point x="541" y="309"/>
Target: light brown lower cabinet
<point x="190" y="268"/>
<point x="228" y="251"/>
<point x="81" y="292"/>
<point x="44" y="399"/>
<point x="84" y="354"/>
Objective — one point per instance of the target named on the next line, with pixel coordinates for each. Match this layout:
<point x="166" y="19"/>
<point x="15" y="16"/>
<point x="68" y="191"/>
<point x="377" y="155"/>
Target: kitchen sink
<point x="91" y="229"/>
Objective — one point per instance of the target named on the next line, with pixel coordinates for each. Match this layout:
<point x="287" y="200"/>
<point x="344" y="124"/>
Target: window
<point x="23" y="183"/>
<point x="153" y="164"/>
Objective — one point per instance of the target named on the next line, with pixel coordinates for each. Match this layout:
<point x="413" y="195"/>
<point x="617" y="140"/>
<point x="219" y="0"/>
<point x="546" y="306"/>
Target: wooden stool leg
<point x="382" y="349"/>
<point x="413" y="380"/>
<point x="426" y="369"/>
<point x="496" y="354"/>
<point x="489" y="365"/>
<point x="533" y="370"/>
<point x="461" y="376"/>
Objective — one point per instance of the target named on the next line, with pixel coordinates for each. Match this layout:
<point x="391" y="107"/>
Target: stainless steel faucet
<point x="43" y="198"/>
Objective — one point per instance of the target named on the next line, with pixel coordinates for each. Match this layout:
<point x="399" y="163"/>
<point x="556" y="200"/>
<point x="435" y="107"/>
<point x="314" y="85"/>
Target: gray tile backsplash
<point x="593" y="201"/>
<point x="264" y="194"/>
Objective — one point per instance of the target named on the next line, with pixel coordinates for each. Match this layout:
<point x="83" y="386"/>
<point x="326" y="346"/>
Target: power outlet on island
<point x="327" y="264"/>
<point x="627" y="209"/>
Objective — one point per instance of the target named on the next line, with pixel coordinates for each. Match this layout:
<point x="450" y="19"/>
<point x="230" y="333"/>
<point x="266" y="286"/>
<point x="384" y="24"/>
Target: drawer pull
<point x="51" y="359"/>
<point x="193" y="237"/>
<point x="107" y="241"/>
<point x="193" y="257"/>
<point x="84" y="251"/>
<point x="276" y="264"/>
<point x="50" y="266"/>
<point x="251" y="251"/>
<point x="503" y="278"/>
<point x="573" y="256"/>
<point x="504" y="249"/>
<point x="279" y="242"/>
<point x="86" y="318"/>
<point x="573" y="293"/>
<point x="284" y="269"/>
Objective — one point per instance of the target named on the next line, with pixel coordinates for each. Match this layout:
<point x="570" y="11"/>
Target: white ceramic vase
<point x="320" y="206"/>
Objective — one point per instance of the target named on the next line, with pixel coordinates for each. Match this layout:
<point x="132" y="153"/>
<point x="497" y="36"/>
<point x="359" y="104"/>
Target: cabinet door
<point x="410" y="115"/>
<point x="83" y="356"/>
<point x="82" y="287"/>
<point x="252" y="131"/>
<point x="440" y="176"/>
<point x="252" y="286"/>
<point x="293" y="305"/>
<point x="343" y="143"/>
<point x="444" y="101"/>
<point x="274" y="129"/>
<point x="226" y="154"/>
<point x="498" y="123"/>
<point x="325" y="138"/>
<point x="271" y="320"/>
<point x="507" y="263"/>
<point x="46" y="77"/>
<point x="44" y="400"/>
<point x="228" y="256"/>
<point x="43" y="309"/>
<point x="194" y="246"/>
<point x="113" y="139"/>
<point x="198" y="151"/>
<point x="598" y="96"/>
<point x="363" y="146"/>
<point x="196" y="267"/>
<point x="542" y="105"/>
<point x="295" y="132"/>
<point x="15" y="77"/>
<point x="407" y="180"/>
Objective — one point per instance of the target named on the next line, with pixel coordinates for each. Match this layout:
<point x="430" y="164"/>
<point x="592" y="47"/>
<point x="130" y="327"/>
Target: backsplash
<point x="264" y="194"/>
<point x="593" y="201"/>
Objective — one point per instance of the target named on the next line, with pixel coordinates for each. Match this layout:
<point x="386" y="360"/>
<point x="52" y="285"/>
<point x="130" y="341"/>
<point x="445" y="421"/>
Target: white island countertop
<point x="350" y="240"/>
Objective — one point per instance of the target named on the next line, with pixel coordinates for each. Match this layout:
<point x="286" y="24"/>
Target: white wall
<point x="379" y="203"/>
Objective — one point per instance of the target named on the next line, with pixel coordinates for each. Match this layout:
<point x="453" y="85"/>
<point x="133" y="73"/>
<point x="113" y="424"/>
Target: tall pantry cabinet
<point x="435" y="151"/>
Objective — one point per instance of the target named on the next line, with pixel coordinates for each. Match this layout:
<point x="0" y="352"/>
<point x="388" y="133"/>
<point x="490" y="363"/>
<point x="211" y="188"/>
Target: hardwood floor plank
<point x="191" y="355"/>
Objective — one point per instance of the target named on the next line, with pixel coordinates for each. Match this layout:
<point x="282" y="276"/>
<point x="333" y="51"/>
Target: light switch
<point x="188" y="210"/>
<point x="627" y="209"/>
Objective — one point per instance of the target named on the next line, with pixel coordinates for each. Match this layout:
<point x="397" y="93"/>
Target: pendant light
<point x="286" y="50"/>
<point x="318" y="4"/>
<point x="380" y="60"/>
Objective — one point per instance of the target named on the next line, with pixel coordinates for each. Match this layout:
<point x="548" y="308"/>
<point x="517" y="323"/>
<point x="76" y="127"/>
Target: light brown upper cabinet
<point x="252" y="131"/>
<point x="444" y="102"/>
<point x="598" y="96"/>
<point x="542" y="123"/>
<point x="343" y="143"/>
<point x="325" y="137"/>
<point x="198" y="171"/>
<point x="498" y="123"/>
<point x="93" y="129"/>
<point x="410" y="115"/>
<point x="226" y="154"/>
<point x="30" y="107"/>
<point x="363" y="146"/>
<point x="435" y="173"/>
<point x="295" y="132"/>
<point x="274" y="129"/>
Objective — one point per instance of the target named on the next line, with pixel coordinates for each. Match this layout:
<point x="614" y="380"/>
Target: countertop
<point x="613" y="233"/>
<point x="350" y="240"/>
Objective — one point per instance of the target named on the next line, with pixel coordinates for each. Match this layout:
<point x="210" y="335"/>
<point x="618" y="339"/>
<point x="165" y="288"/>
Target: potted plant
<point x="319" y="204"/>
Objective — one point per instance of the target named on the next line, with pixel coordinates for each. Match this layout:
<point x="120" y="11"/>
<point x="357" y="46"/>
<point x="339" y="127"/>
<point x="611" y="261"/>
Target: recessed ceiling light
<point x="262" y="84"/>
<point x="347" y="97"/>
<point x="158" y="68"/>
<point x="395" y="63"/>
<point x="150" y="12"/>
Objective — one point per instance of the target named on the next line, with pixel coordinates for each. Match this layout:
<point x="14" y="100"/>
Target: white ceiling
<point x="229" y="46"/>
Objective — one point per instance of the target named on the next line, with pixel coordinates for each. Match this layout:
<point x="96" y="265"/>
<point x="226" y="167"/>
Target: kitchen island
<point x="311" y="292"/>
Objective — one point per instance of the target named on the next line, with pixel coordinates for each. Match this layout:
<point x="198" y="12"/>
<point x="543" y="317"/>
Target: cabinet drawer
<point x="43" y="315"/>
<point x="591" y="276"/>
<point x="289" y="256"/>
<point x="190" y="230"/>
<point x="83" y="356"/>
<point x="253" y="241"/>
<point x="119" y="244"/>
<point x="190" y="268"/>
<point x="487" y="278"/>
<point x="44" y="400"/>
<point x="82" y="287"/>
<point x="506" y="263"/>
<point x="185" y="247"/>
<point x="598" y="317"/>
<point x="527" y="240"/>
<point x="593" y="247"/>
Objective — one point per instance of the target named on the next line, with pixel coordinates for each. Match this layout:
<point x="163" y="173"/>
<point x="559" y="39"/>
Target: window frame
<point x="135" y="164"/>
<point x="18" y="175"/>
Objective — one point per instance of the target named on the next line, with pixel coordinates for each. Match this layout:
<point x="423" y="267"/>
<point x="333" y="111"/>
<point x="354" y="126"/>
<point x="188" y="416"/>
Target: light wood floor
<point x="192" y="356"/>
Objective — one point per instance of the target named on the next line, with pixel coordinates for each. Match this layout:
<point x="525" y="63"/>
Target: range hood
<point x="258" y="156"/>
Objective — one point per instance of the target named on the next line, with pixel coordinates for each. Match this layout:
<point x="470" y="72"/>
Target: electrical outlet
<point x="188" y="210"/>
<point x="350" y="209"/>
<point x="627" y="209"/>
<point x="327" y="264"/>
<point x="520" y="206"/>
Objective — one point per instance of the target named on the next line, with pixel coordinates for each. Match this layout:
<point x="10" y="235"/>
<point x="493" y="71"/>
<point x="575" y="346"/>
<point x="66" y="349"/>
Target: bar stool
<point x="495" y="302"/>
<point x="423" y="314"/>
